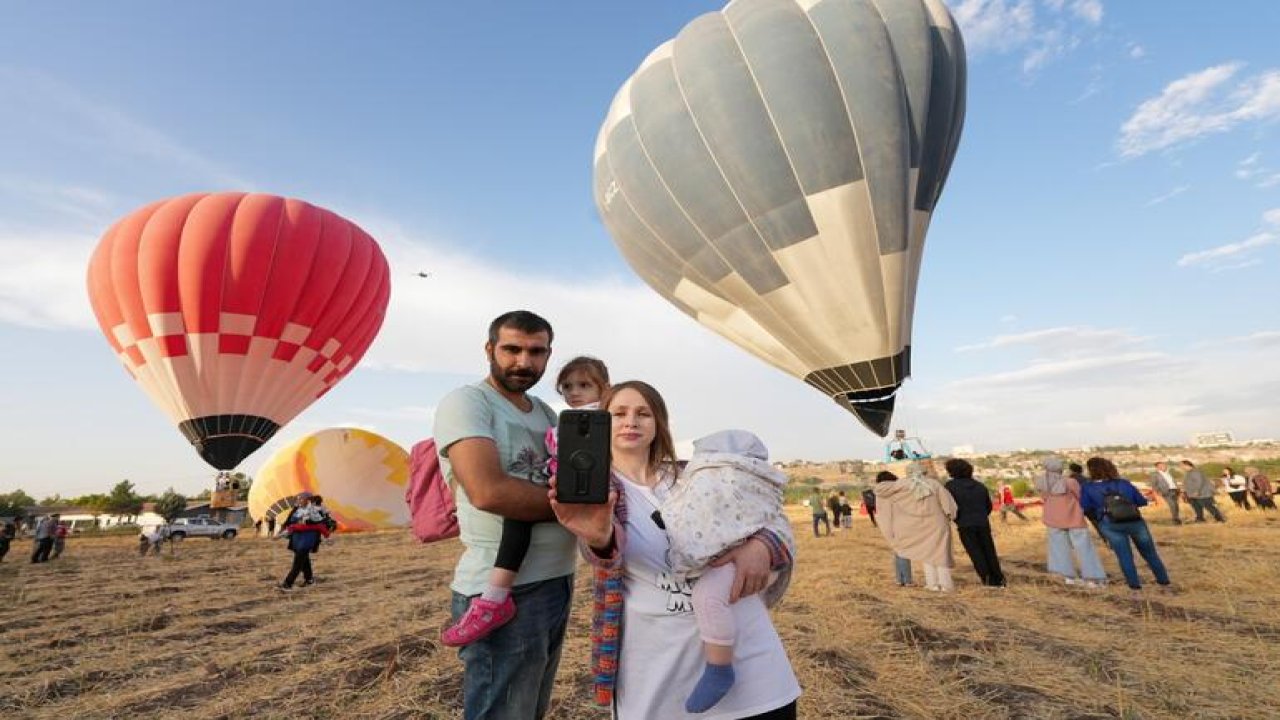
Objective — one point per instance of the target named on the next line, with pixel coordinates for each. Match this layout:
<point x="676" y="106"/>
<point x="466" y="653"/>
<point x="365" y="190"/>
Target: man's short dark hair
<point x="959" y="468"/>
<point x="1076" y="468"/>
<point x="522" y="320"/>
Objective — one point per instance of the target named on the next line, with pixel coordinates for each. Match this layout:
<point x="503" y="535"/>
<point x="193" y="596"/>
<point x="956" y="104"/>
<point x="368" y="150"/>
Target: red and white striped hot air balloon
<point x="235" y="311"/>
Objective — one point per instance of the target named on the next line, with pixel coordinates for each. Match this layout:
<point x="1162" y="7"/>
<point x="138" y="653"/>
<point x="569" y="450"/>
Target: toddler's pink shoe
<point x="481" y="619"/>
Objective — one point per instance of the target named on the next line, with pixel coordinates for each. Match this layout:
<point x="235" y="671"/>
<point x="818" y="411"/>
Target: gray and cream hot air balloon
<point x="772" y="170"/>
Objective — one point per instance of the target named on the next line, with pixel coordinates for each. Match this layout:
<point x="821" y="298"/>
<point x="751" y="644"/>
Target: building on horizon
<point x="1212" y="439"/>
<point x="963" y="451"/>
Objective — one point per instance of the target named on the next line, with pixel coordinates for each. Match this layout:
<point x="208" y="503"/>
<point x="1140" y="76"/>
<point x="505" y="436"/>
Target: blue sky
<point x="1101" y="267"/>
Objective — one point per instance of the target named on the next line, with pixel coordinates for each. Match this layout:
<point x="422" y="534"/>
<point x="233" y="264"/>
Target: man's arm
<point x="476" y="467"/>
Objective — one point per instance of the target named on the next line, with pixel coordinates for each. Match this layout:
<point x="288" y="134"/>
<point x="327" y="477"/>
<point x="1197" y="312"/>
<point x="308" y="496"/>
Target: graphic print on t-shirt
<point x="679" y="591"/>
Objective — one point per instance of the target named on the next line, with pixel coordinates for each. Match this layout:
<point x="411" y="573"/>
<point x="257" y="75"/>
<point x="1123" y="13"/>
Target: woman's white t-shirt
<point x="661" y="651"/>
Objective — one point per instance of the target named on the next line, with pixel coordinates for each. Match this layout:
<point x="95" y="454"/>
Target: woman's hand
<point x="751" y="568"/>
<point x="592" y="523"/>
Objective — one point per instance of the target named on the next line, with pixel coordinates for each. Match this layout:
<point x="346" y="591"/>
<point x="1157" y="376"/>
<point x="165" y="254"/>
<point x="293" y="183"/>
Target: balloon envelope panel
<point x="771" y="171"/>
<point x="235" y="311"/>
<point x="361" y="475"/>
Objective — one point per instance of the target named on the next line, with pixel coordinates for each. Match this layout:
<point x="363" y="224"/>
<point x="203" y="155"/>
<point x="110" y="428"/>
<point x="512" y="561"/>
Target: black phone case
<point x="583" y="438"/>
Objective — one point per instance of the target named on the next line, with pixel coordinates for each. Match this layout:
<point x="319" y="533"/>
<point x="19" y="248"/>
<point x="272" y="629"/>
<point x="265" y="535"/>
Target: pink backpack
<point x="435" y="517"/>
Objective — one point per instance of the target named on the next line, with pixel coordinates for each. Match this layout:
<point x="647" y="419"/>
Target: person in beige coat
<point x="915" y="515"/>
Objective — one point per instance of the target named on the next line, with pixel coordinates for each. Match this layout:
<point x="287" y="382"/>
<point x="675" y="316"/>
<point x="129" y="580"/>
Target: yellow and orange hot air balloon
<point x="236" y="311"/>
<point x="361" y="475"/>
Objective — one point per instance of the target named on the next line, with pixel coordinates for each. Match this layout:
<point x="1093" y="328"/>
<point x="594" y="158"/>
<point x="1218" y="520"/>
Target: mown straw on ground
<point x="102" y="633"/>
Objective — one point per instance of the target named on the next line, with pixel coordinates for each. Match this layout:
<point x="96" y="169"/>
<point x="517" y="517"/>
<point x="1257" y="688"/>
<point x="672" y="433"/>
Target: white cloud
<point x="1167" y="196"/>
<point x="995" y="25"/>
<point x="1202" y="103"/>
<point x="1251" y="169"/>
<point x="1137" y="52"/>
<point x="1061" y="341"/>
<point x="1043" y="372"/>
<point x="42" y="281"/>
<point x="1238" y="255"/>
<point x="1230" y="251"/>
<point x="1260" y="240"/>
<point x="1133" y="391"/>
<point x="1264" y="338"/>
<point x="1013" y="26"/>
<point x="1088" y="10"/>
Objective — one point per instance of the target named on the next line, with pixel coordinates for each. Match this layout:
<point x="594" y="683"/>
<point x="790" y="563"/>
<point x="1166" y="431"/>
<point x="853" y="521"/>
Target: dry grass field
<point x="102" y="633"/>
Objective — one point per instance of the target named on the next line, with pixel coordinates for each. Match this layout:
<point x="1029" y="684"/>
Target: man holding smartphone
<point x="491" y="439"/>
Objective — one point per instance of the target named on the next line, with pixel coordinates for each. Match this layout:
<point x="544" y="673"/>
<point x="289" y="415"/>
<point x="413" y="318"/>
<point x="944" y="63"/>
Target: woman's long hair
<point x="1101" y="469"/>
<point x="663" y="450"/>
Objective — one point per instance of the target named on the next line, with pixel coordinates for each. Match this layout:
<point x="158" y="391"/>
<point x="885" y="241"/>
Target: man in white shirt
<point x="1162" y="482"/>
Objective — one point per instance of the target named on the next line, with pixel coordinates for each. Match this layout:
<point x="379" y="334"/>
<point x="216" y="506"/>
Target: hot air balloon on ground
<point x="772" y="170"/>
<point x="235" y="311"/>
<point x="362" y="476"/>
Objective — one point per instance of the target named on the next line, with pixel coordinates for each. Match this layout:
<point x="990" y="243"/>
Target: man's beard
<point x="515" y="381"/>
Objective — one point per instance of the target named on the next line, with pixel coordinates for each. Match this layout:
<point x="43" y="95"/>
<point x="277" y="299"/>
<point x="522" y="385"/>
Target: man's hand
<point x="751" y="568"/>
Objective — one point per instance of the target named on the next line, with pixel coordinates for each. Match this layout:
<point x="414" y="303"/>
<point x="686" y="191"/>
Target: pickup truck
<point x="202" y="527"/>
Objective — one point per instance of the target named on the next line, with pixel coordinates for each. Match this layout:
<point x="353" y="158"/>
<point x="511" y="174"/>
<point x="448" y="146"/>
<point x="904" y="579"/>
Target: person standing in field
<point x="1260" y="488"/>
<point x="1199" y="490"/>
<point x="7" y="535"/>
<point x="901" y="565"/>
<point x="846" y="511"/>
<point x="491" y="437"/>
<point x="1162" y="482"/>
<point x="648" y="656"/>
<point x="1117" y="503"/>
<point x="1068" y="533"/>
<point x="833" y="505"/>
<point x="915" y="517"/>
<point x="581" y="382"/>
<point x="973" y="521"/>
<point x="869" y="501"/>
<point x="60" y="532"/>
<point x="43" y="538"/>
<point x="819" y="511"/>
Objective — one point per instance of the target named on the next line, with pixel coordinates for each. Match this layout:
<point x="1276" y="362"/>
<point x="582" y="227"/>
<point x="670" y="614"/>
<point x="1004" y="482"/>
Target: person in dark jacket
<point x="305" y="527"/>
<point x="1118" y="531"/>
<point x="973" y="503"/>
<point x="7" y="535"/>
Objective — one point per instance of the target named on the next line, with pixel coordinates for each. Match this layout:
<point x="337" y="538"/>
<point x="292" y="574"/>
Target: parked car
<point x="202" y="526"/>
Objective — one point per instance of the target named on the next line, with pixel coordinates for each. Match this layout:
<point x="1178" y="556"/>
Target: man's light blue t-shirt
<point x="480" y="411"/>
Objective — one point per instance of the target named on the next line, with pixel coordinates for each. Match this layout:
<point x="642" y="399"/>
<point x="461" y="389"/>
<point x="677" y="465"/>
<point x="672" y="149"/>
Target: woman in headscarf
<point x="915" y="516"/>
<point x="1065" y="520"/>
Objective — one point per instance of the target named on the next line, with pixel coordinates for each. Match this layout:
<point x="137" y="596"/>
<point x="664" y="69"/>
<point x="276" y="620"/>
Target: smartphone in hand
<point x="583" y="439"/>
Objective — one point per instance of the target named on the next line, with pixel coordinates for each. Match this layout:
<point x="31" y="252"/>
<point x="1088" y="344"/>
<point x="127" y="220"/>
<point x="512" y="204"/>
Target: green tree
<point x="170" y="505"/>
<point x="96" y="504"/>
<point x="123" y="500"/>
<point x="15" y="504"/>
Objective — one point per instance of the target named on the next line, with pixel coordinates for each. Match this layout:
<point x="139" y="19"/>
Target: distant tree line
<point x="123" y="500"/>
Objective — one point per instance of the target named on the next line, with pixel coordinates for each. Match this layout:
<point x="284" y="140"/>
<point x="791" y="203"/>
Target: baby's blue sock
<point x="714" y="683"/>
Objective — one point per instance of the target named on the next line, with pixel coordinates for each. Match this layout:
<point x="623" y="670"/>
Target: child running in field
<point x="582" y="382"/>
<point x="728" y="493"/>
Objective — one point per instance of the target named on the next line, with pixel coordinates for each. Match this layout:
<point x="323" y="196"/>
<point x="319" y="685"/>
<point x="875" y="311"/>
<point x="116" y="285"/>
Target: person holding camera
<point x="491" y="440"/>
<point x="647" y="650"/>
